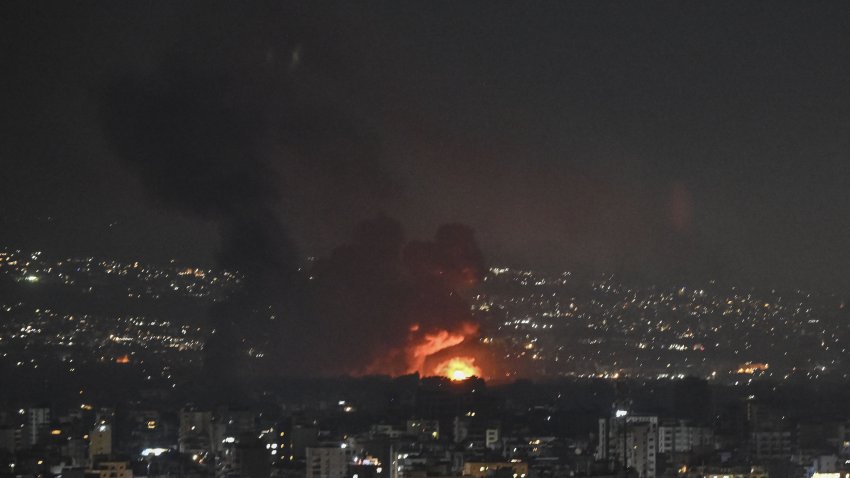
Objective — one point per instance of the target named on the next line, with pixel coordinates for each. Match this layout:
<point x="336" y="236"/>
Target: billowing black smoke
<point x="379" y="298"/>
<point x="230" y="145"/>
<point x="234" y="147"/>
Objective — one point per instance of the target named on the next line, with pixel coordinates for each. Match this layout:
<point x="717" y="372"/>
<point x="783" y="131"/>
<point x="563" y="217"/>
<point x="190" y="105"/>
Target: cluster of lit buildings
<point x="564" y="325"/>
<point x="423" y="428"/>
<point x="135" y="280"/>
<point x="542" y="324"/>
<point x="277" y="437"/>
<point x="64" y="314"/>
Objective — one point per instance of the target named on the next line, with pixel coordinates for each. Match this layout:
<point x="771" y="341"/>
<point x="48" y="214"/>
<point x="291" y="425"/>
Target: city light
<point x="153" y="451"/>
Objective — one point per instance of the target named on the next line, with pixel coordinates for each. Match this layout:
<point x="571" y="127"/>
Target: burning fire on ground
<point x="428" y="345"/>
<point x="403" y="303"/>
<point x="458" y="369"/>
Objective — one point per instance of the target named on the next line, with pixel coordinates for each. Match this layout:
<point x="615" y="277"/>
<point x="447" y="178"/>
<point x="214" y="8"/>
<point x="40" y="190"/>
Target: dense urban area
<point x="102" y="370"/>
<point x="77" y="310"/>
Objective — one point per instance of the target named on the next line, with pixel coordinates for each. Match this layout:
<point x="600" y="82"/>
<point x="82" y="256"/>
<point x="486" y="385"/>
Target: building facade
<point x="629" y="441"/>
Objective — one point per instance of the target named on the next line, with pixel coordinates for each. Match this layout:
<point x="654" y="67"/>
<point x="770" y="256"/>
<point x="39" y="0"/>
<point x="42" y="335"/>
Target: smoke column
<point x="388" y="304"/>
<point x="231" y="146"/>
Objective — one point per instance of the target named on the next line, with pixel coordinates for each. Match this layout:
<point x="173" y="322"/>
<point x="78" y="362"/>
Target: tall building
<point x="629" y="441"/>
<point x="11" y="439"/>
<point x="300" y="438"/>
<point x="196" y="431"/>
<point x="251" y="460"/>
<point x="772" y="434"/>
<point x="74" y="449"/>
<point x="38" y="419"/>
<point x="772" y="444"/>
<point x="681" y="436"/>
<point x="100" y="441"/>
<point x="327" y="462"/>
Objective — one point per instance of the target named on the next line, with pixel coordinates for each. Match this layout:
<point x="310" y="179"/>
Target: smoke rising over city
<point x="220" y="146"/>
<point x="391" y="305"/>
<point x="550" y="136"/>
<point x="395" y="239"/>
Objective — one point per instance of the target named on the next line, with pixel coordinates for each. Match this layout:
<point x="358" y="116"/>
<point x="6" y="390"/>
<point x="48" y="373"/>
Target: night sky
<point x="669" y="141"/>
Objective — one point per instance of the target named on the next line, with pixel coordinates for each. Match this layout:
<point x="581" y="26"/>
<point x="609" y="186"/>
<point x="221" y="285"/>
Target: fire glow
<point x="434" y="346"/>
<point x="427" y="346"/>
<point x="458" y="369"/>
<point x="434" y="342"/>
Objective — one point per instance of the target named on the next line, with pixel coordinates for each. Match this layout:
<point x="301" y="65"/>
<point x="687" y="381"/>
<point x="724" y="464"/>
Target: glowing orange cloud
<point x="430" y="343"/>
<point x="420" y="346"/>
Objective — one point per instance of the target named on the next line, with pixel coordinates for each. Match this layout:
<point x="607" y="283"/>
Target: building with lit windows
<point x="835" y="474"/>
<point x="327" y="462"/>
<point x="111" y="469"/>
<point x="38" y="419"/>
<point x="726" y="472"/>
<point x="629" y="441"/>
<point x="680" y="436"/>
<point x="482" y="469"/>
<point x="100" y="441"/>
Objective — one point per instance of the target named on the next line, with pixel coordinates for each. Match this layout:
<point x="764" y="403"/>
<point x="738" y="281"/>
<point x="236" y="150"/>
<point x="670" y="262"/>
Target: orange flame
<point x="421" y="348"/>
<point x="434" y="342"/>
<point x="458" y="368"/>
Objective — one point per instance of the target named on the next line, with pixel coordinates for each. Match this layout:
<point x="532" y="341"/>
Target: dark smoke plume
<point x="220" y="145"/>
<point x="234" y="147"/>
<point x="378" y="298"/>
<point x="195" y="143"/>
